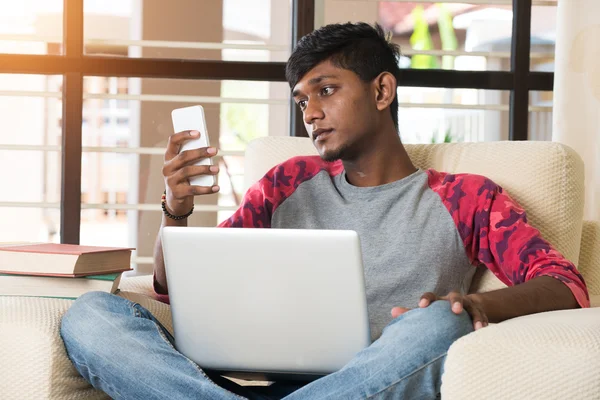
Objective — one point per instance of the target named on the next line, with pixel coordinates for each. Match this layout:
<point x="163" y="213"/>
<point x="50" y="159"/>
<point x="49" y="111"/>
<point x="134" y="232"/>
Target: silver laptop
<point x="266" y="303"/>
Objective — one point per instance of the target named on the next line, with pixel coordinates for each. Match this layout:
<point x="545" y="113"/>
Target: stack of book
<point x="60" y="270"/>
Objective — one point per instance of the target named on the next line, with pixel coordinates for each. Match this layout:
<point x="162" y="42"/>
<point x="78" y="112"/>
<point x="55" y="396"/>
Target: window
<point x="543" y="36"/>
<point x="468" y="40"/>
<point x="255" y="30"/>
<point x="30" y="154"/>
<point x="31" y="26"/>
<point x="540" y="115"/>
<point x="119" y="132"/>
<point x="437" y="115"/>
<point x="90" y="112"/>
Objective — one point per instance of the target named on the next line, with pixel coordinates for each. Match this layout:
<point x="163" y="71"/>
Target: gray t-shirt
<point x="423" y="233"/>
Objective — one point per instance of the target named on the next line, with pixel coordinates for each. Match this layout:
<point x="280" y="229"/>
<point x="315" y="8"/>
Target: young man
<point x="422" y="232"/>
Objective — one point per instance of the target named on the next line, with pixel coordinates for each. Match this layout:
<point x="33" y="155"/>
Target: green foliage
<point x="448" y="137"/>
<point x="421" y="40"/>
<point x="447" y="35"/>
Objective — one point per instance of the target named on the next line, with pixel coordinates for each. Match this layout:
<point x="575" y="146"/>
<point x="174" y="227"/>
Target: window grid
<point x="74" y="65"/>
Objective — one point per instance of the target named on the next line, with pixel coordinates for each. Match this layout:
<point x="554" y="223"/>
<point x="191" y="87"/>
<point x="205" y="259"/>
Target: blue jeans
<point x="121" y="349"/>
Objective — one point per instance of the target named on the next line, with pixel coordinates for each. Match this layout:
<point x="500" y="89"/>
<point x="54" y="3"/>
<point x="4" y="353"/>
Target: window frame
<point x="74" y="65"/>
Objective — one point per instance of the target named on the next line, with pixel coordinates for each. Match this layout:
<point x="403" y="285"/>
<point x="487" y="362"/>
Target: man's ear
<point x="385" y="86"/>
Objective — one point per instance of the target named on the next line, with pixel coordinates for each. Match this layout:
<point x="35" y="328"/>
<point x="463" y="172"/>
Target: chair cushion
<point x="34" y="363"/>
<point x="553" y="355"/>
<point x="545" y="178"/>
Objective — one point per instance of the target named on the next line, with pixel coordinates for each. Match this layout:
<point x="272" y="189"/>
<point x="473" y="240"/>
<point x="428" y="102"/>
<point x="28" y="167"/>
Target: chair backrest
<point x="545" y="178"/>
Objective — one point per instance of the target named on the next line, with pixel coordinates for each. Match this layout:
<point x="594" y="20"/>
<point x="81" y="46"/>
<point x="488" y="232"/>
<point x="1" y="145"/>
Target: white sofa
<point x="552" y="355"/>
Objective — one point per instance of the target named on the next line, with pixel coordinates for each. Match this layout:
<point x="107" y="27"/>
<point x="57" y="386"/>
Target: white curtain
<point x="577" y="90"/>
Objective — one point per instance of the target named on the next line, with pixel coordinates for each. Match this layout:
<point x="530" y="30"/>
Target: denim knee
<point x="441" y="313"/>
<point x="444" y="326"/>
<point x="91" y="299"/>
<point x="82" y="318"/>
<point x="437" y="326"/>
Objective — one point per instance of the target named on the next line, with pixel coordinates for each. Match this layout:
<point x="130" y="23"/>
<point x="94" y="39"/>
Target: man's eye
<point x="302" y="104"/>
<point x="327" y="91"/>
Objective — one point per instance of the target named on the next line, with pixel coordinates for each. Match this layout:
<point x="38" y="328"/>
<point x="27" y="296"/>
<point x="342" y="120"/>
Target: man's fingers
<point x="398" y="311"/>
<point x="175" y="142"/>
<point x="478" y="317"/>
<point x="427" y="299"/>
<point x="192" y="156"/>
<point x="182" y="191"/>
<point x="194" y="170"/>
<point x="196" y="190"/>
<point x="187" y="157"/>
<point x="456" y="300"/>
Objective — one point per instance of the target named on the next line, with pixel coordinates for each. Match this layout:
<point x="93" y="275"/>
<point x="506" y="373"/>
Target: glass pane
<point x="105" y="228"/>
<point x="540" y="115"/>
<point x="30" y="224"/>
<point x="462" y="28"/>
<point x="38" y="178"/>
<point x="31" y="26"/>
<point x="117" y="110"/>
<point x="543" y="38"/>
<point x="257" y="30"/>
<point x="122" y="115"/>
<point x="436" y="115"/>
<point x="30" y="109"/>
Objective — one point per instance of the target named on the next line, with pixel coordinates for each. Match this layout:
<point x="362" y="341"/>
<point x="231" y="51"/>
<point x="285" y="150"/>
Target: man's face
<point x="338" y="108"/>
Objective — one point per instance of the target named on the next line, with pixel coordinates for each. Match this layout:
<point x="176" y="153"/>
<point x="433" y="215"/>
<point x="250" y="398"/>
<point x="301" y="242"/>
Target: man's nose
<point x="313" y="112"/>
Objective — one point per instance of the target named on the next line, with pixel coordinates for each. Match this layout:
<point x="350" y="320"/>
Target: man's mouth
<point x="321" y="134"/>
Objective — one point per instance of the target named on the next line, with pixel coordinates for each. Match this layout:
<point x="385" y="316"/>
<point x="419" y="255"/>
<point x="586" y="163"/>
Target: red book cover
<point x="43" y="267"/>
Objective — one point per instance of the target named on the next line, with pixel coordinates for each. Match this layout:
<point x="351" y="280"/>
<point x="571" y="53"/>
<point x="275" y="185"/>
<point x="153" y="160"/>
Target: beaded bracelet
<point x="163" y="202"/>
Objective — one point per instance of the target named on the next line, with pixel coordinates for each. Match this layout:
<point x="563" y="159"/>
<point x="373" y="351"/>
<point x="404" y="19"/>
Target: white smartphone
<point x="192" y="118"/>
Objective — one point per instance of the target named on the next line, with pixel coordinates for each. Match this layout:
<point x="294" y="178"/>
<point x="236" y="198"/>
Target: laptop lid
<point x="266" y="300"/>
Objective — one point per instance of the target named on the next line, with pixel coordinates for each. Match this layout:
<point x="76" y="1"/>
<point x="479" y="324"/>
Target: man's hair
<point x="358" y="47"/>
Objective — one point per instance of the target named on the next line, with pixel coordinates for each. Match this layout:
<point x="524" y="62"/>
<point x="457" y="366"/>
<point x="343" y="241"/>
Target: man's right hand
<point x="179" y="166"/>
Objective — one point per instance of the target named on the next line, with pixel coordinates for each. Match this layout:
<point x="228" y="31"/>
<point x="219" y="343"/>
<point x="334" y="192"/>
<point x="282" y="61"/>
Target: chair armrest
<point x="141" y="284"/>
<point x="589" y="256"/>
<point x="553" y="355"/>
<point x="33" y="359"/>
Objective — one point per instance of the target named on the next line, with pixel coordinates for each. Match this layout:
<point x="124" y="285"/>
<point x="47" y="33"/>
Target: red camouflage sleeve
<point x="495" y="233"/>
<point x="262" y="199"/>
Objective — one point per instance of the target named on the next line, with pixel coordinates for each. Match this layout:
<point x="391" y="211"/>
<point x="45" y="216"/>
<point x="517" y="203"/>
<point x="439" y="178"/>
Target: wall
<point x="577" y="91"/>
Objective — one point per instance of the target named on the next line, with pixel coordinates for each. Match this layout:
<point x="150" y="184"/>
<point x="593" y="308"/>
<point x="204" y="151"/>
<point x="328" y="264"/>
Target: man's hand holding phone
<point x="179" y="168"/>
